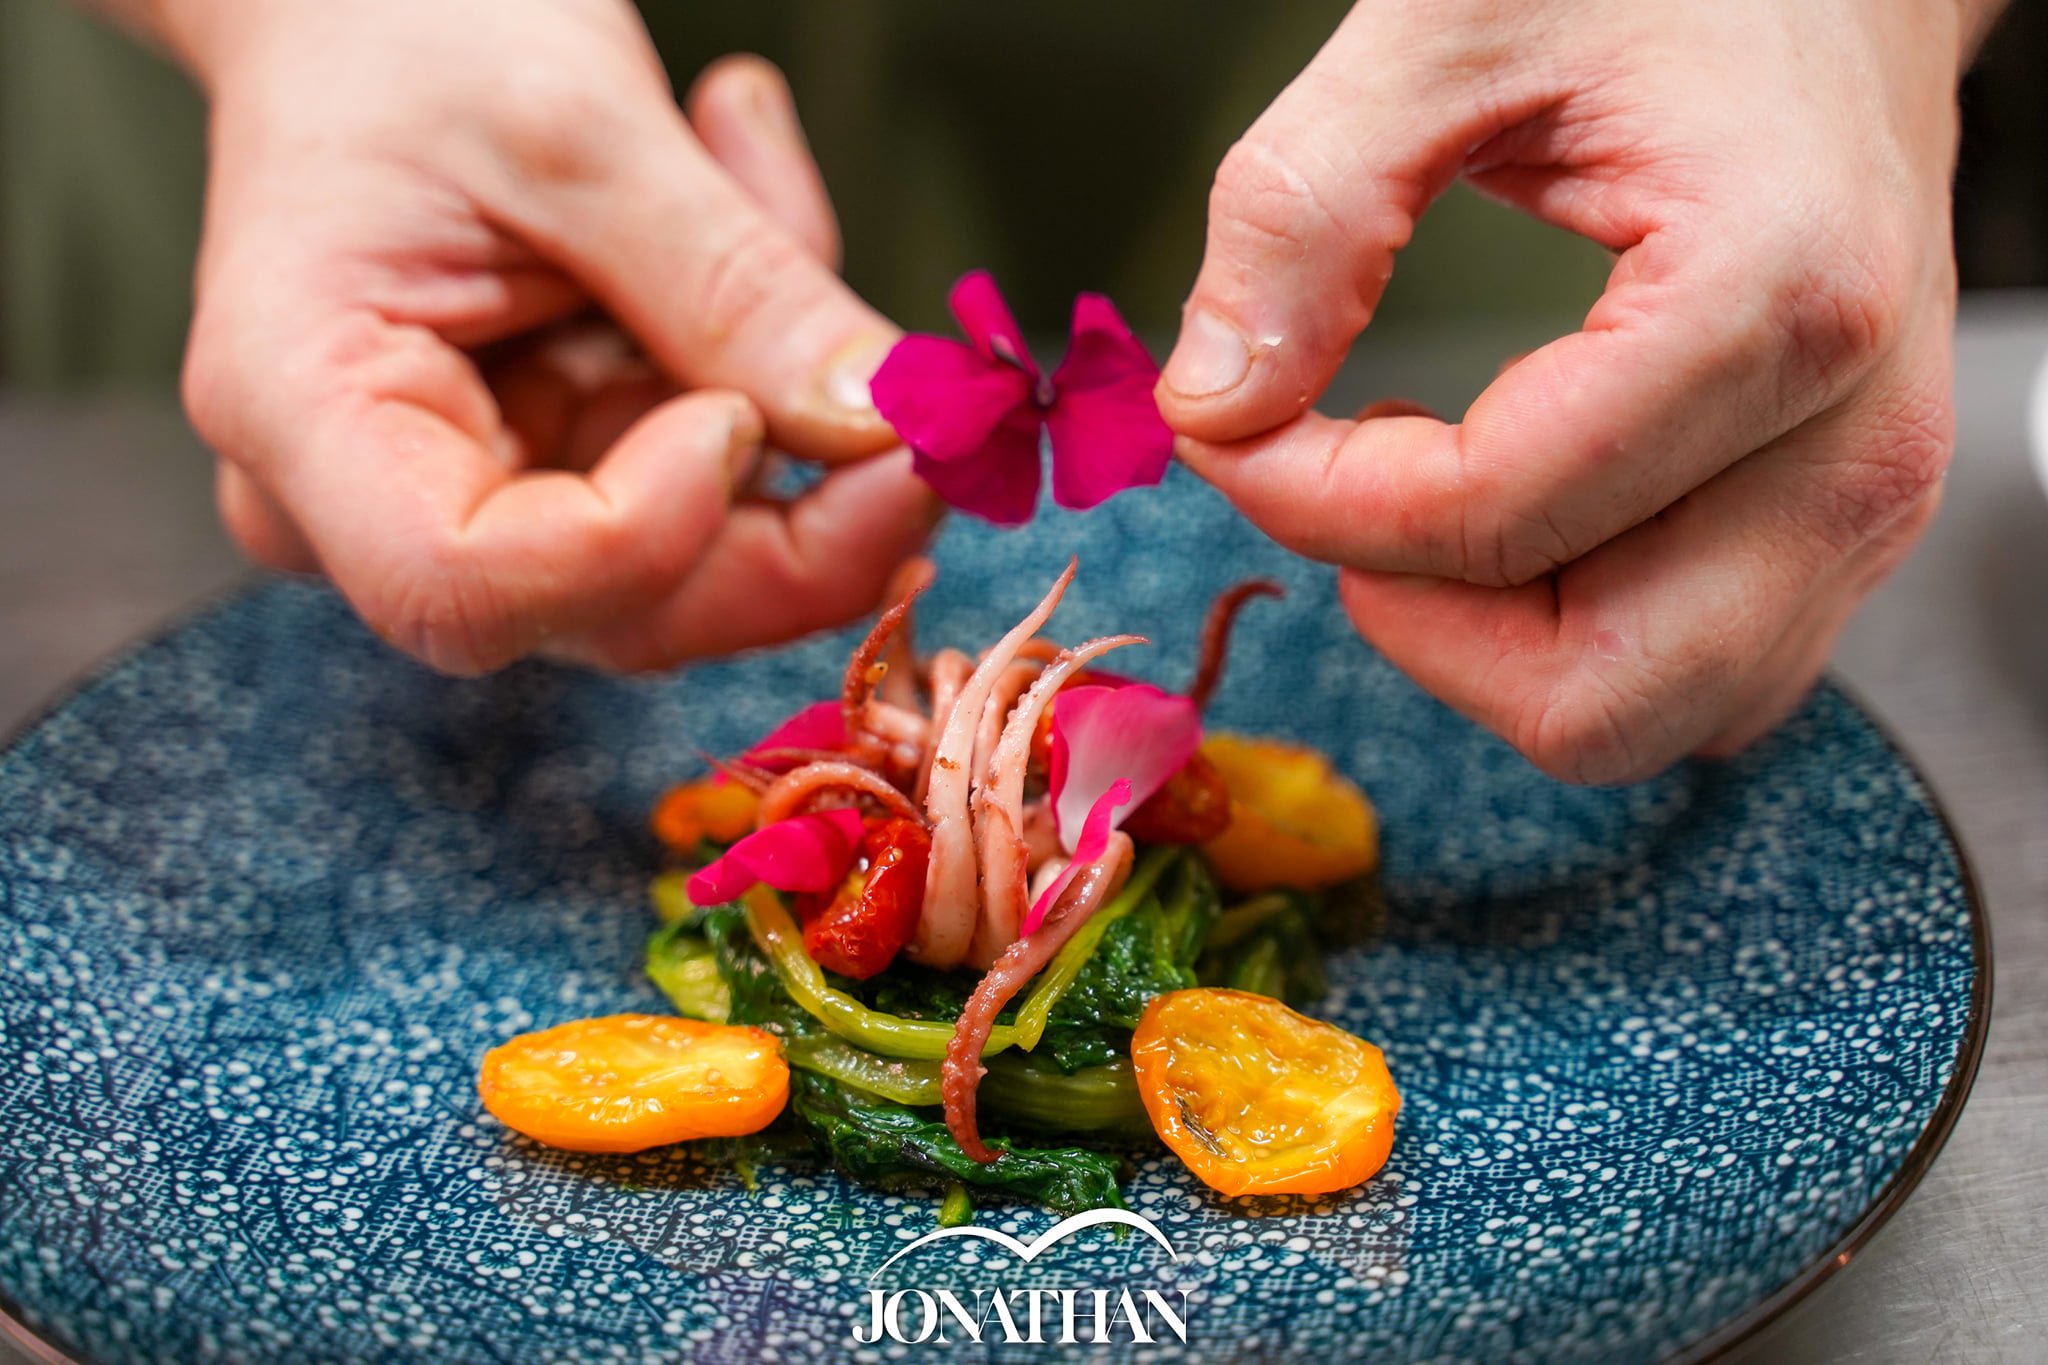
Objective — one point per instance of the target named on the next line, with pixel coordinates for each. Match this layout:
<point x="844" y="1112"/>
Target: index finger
<point x="719" y="293"/>
<point x="1710" y="342"/>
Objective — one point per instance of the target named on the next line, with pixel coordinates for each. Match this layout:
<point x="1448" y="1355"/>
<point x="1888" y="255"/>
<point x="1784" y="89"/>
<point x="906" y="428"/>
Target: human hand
<point x="406" y="202"/>
<point x="1642" y="539"/>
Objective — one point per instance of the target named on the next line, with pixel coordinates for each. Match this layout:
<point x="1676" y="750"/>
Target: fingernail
<point x="743" y="446"/>
<point x="1211" y="357"/>
<point x="847" y="376"/>
<point x="1395" y="407"/>
<point x="769" y="99"/>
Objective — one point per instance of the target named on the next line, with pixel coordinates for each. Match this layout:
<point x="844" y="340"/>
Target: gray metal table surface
<point x="106" y="530"/>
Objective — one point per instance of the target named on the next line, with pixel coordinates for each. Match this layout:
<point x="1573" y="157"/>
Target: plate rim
<point x="1716" y="1345"/>
<point x="1721" y="1342"/>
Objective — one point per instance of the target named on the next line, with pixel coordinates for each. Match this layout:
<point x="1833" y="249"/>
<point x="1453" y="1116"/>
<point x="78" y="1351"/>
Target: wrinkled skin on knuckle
<point x="1261" y="201"/>
<point x="752" y="273"/>
<point x="560" y="128"/>
<point x="1509" y="512"/>
<point x="440" y="612"/>
<point x="1844" y="304"/>
<point x="1602" y="721"/>
<point x="1894" y="461"/>
<point x="1518" y="545"/>
<point x="1577" y="734"/>
<point x="1265" y="207"/>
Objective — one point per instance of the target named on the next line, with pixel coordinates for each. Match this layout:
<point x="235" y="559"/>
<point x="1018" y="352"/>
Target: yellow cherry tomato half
<point x="719" y="811"/>
<point x="1258" y="1099"/>
<point x="627" y="1082"/>
<point x="1294" y="820"/>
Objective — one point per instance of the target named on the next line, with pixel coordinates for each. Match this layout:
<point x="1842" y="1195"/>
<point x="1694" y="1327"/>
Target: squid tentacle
<point x="947" y="675"/>
<point x="755" y="780"/>
<point x="961" y="1072"/>
<point x="864" y="670"/>
<point x="1216" y="629"/>
<point x="899" y="684"/>
<point x="946" y="923"/>
<point x="999" y="802"/>
<point x="791" y="792"/>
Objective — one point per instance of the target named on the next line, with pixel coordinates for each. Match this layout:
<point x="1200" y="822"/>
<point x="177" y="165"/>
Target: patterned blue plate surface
<point x="268" y="891"/>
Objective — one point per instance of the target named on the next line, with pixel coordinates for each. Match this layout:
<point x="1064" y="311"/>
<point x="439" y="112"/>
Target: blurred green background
<point x="1066" y="144"/>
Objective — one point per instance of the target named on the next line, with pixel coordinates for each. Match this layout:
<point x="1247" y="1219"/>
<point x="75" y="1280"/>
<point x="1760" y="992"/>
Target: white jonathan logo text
<point x="1027" y="1315"/>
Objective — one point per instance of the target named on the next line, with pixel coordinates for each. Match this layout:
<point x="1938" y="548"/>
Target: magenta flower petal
<point x="946" y="399"/>
<point x="998" y="482"/>
<point x="973" y="414"/>
<point x="821" y="725"/>
<point x="1107" y="434"/>
<point x="1092" y="842"/>
<point x="979" y="308"/>
<point x="1102" y="736"/>
<point x="802" y="853"/>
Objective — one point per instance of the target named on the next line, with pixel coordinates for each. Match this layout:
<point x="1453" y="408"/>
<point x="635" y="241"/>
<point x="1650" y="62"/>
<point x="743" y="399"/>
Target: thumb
<point x="1306" y="214"/>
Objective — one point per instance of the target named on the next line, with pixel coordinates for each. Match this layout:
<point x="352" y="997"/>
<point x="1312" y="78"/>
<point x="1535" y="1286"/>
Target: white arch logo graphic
<point x="1031" y="1250"/>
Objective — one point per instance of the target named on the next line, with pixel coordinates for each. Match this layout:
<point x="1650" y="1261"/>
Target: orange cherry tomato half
<point x="627" y="1082"/>
<point x="874" y="912"/>
<point x="719" y="811"/>
<point x="1294" y="820"/>
<point x="1257" y="1099"/>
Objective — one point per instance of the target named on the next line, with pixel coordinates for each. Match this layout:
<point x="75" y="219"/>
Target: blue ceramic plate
<point x="268" y="891"/>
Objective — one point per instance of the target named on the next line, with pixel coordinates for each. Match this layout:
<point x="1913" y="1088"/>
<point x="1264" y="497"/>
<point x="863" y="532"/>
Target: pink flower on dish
<point x="1112" y="748"/>
<point x="821" y="725"/>
<point x="802" y="853"/>
<point x="1091" y="841"/>
<point x="1101" y="735"/>
<point x="972" y="413"/>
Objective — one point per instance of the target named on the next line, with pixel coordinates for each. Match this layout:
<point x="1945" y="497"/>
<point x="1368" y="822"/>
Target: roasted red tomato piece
<point x="1192" y="808"/>
<point x="874" y="913"/>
